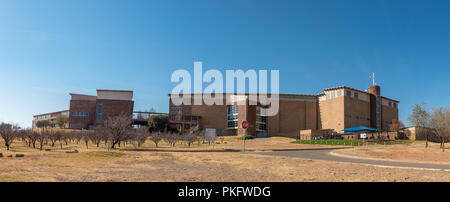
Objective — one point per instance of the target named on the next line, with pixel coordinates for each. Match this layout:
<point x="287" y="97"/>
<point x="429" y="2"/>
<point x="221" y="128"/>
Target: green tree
<point x="62" y="121"/>
<point x="43" y="124"/>
<point x="158" y="123"/>
<point x="420" y="118"/>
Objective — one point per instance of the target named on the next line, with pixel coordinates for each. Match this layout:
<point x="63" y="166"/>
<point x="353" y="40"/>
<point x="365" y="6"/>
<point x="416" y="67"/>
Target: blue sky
<point x="50" y="48"/>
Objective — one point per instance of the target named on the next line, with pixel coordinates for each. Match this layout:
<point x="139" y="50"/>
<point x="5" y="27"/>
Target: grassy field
<point x="158" y="164"/>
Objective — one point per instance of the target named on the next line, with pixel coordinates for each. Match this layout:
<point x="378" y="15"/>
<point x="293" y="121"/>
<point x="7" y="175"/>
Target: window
<point x="356" y="95"/>
<point x="261" y="119"/>
<point x="390" y="104"/>
<point x="99" y="111"/>
<point x="395" y="105"/>
<point x="349" y="93"/>
<point x="232" y="117"/>
<point x="80" y="114"/>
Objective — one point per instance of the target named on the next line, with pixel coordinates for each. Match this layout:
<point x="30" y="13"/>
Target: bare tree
<point x="99" y="135"/>
<point x="42" y="137"/>
<point x="117" y="128"/>
<point x="172" y="138"/>
<point x="53" y="137"/>
<point x="85" y="137"/>
<point x="440" y="122"/>
<point x="190" y="138"/>
<point x="140" y="135"/>
<point x="156" y="138"/>
<point x="60" y="137"/>
<point x="32" y="137"/>
<point x="9" y="132"/>
<point x="420" y="117"/>
<point x="396" y="125"/>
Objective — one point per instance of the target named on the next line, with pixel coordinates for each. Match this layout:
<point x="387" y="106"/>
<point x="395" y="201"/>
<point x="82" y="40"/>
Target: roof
<point x="354" y="89"/>
<point x="339" y="87"/>
<point x="298" y="95"/>
<point x="51" y="113"/>
<point x="128" y="91"/>
<point x="359" y="129"/>
<point x="82" y="94"/>
<point x="269" y="94"/>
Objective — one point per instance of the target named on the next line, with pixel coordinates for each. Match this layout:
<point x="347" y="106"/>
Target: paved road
<point x="325" y="155"/>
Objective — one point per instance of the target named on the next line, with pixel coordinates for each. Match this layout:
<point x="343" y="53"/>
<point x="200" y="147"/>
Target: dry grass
<point x="414" y="152"/>
<point x="97" y="164"/>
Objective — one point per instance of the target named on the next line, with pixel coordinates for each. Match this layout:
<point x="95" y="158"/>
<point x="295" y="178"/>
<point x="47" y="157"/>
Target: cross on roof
<point x="373" y="79"/>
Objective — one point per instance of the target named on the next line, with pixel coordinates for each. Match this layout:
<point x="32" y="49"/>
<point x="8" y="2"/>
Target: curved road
<point x="325" y="155"/>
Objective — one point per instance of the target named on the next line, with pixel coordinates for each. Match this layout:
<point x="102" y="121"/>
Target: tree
<point x="32" y="137"/>
<point x="156" y="138"/>
<point x="54" y="136"/>
<point x="395" y="125"/>
<point x="86" y="137"/>
<point x="99" y="135"/>
<point x="8" y="132"/>
<point x="43" y="124"/>
<point x="62" y="121"/>
<point x="140" y="135"/>
<point x="42" y="137"/>
<point x="117" y="128"/>
<point x="158" y="123"/>
<point x="440" y="123"/>
<point x="420" y="117"/>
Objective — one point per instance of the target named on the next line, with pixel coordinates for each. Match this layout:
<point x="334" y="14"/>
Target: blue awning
<point x="359" y="129"/>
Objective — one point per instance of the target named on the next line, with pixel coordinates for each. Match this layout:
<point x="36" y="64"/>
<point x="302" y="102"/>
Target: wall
<point x="82" y="106"/>
<point x="331" y="114"/>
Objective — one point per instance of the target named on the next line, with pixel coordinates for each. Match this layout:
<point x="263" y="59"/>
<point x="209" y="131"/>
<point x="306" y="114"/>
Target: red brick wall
<point x="82" y="106"/>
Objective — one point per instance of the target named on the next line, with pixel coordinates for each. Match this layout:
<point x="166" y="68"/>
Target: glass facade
<point x="261" y="119"/>
<point x="99" y="111"/>
<point x="232" y="117"/>
<point x="79" y="114"/>
<point x="378" y="112"/>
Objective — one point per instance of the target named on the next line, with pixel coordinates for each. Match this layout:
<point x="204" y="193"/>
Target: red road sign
<point x="244" y="124"/>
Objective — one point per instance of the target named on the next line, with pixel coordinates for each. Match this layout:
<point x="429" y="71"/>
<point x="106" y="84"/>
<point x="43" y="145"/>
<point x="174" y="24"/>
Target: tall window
<point x="261" y="119"/>
<point x="378" y="112"/>
<point x="99" y="111"/>
<point x="232" y="117"/>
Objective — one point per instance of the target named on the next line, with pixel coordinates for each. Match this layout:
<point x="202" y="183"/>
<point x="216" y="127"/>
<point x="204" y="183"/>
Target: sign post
<point x="244" y="126"/>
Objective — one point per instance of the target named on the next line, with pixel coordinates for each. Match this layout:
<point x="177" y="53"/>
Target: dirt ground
<point x="414" y="152"/>
<point x="97" y="164"/>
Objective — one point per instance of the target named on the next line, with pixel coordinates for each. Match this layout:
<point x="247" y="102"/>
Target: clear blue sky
<point x="49" y="49"/>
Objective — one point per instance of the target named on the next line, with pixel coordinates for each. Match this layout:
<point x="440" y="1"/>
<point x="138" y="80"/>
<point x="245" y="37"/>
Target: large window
<point x="99" y="111"/>
<point x="232" y="117"/>
<point x="261" y="119"/>
<point x="79" y="114"/>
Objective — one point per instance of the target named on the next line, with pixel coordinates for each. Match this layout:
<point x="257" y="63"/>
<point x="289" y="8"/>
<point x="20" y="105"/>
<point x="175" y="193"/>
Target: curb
<point x="377" y="159"/>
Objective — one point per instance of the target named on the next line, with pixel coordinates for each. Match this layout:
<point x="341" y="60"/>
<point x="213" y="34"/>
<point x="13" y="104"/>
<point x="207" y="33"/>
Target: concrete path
<point x="325" y="155"/>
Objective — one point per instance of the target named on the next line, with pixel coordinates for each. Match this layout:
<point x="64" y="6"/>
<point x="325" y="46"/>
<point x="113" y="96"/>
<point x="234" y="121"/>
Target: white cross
<point x="373" y="78"/>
